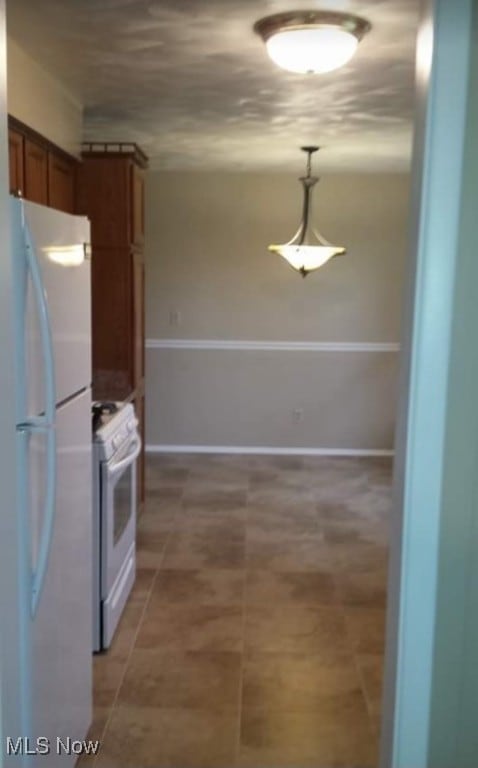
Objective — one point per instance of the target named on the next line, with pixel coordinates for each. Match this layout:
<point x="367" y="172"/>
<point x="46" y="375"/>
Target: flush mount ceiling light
<point x="311" y="42"/>
<point x="307" y="250"/>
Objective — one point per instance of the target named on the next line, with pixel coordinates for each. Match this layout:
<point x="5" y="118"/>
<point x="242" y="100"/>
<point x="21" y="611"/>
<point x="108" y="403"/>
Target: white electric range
<point x="116" y="447"/>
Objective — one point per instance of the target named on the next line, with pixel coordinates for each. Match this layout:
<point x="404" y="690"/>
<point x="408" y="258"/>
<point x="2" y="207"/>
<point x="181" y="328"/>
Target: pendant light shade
<point x="311" y="42"/>
<point x="308" y="249"/>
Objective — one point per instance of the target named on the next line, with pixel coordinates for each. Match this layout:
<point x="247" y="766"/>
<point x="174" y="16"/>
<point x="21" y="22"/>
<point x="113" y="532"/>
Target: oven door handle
<point x="130" y="457"/>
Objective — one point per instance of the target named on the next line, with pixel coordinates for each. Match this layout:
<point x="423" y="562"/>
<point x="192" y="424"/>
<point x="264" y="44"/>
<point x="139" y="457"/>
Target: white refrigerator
<point x="53" y="444"/>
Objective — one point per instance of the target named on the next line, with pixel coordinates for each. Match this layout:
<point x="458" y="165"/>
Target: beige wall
<point x="209" y="276"/>
<point x="41" y="101"/>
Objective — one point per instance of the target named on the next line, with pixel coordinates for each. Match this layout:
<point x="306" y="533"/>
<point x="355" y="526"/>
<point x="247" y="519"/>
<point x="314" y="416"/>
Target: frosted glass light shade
<point x="311" y="41"/>
<point x="306" y="258"/>
<point x="311" y="51"/>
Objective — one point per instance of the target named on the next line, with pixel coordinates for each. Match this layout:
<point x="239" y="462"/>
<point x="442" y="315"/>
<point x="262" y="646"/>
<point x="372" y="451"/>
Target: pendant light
<point x="311" y="42"/>
<point x="307" y="250"/>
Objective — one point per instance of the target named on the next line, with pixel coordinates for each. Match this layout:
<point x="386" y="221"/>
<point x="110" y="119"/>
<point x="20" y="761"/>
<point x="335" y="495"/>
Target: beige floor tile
<point x="158" y="461"/>
<point x="142" y="585"/>
<point x="336" y="514"/>
<point x="164" y="495"/>
<point x="161" y="476"/>
<point x="220" y="466"/>
<point x="363" y="588"/>
<point x="281" y="494"/>
<point x="297" y="683"/>
<point x="236" y="462"/>
<point x="338" y="487"/>
<point x="108" y="672"/>
<point x="373" y="503"/>
<point x="199" y="516"/>
<point x="290" y="628"/>
<point x="268" y="478"/>
<point x="303" y="627"/>
<point x="339" y="735"/>
<point x="95" y="733"/>
<point x="183" y="679"/>
<point x="195" y="549"/>
<point x="366" y="628"/>
<point x="125" y="634"/>
<point x="376" y="720"/>
<point x="288" y="552"/>
<point x="201" y="587"/>
<point x="294" y="519"/>
<point x="371" y="673"/>
<point x="100" y="718"/>
<point x="217" y="477"/>
<point x="272" y="587"/>
<point x="358" y="555"/>
<point x="265" y="475"/>
<point x="150" y="548"/>
<point x="218" y="525"/>
<point x="191" y="627"/>
<point x="144" y="737"/>
<point x="372" y="531"/>
<point x="214" y="497"/>
<point x="284" y="463"/>
<point x="158" y="517"/>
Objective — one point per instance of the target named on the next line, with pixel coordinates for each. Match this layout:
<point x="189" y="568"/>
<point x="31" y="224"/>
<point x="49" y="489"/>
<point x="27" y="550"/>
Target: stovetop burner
<point x="103" y="412"/>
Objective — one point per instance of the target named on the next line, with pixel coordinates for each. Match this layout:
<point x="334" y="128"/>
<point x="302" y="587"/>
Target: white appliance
<point x="117" y="445"/>
<point x="53" y="443"/>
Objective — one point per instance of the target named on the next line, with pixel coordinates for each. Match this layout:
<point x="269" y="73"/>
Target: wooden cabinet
<point x="111" y="178"/>
<point x="112" y="190"/>
<point x="16" y="150"/>
<point x="138" y="316"/>
<point x="61" y="182"/>
<point x="112" y="329"/>
<point x="104" y="194"/>
<point x="39" y="170"/>
<point x="111" y="194"/>
<point x="36" y="172"/>
<point x="137" y="207"/>
<point x="140" y="473"/>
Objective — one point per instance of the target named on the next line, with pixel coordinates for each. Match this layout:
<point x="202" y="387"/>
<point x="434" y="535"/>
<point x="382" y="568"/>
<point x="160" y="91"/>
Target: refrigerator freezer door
<point x="54" y="235"/>
<point x="61" y="631"/>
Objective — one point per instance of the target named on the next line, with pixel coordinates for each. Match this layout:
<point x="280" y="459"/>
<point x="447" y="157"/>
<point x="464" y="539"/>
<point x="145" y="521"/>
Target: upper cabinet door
<point x="36" y="172"/>
<point x="137" y="205"/>
<point x="15" y="149"/>
<point x="103" y="196"/>
<point x="61" y="182"/>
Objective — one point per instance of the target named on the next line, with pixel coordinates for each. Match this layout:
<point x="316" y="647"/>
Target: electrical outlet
<point x="174" y="318"/>
<point x="297" y="415"/>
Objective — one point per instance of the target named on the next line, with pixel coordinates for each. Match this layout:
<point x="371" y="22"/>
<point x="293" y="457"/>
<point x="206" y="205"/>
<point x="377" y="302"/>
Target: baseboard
<point x="273" y="346"/>
<point x="267" y="450"/>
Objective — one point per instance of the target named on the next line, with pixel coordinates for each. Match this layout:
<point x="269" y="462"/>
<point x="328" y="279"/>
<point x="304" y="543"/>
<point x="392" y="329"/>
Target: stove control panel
<point x="117" y="431"/>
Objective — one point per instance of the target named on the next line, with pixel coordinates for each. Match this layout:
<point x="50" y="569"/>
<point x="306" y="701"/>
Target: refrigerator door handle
<point x="36" y="424"/>
<point x="43" y="423"/>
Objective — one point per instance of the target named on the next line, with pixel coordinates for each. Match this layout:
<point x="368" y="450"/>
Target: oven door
<point x="118" y="511"/>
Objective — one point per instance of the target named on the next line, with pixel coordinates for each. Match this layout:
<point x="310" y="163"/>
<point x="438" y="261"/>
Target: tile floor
<point x="255" y="632"/>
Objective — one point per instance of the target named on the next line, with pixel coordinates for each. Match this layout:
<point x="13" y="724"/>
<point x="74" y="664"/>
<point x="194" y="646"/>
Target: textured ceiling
<point x="192" y="84"/>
